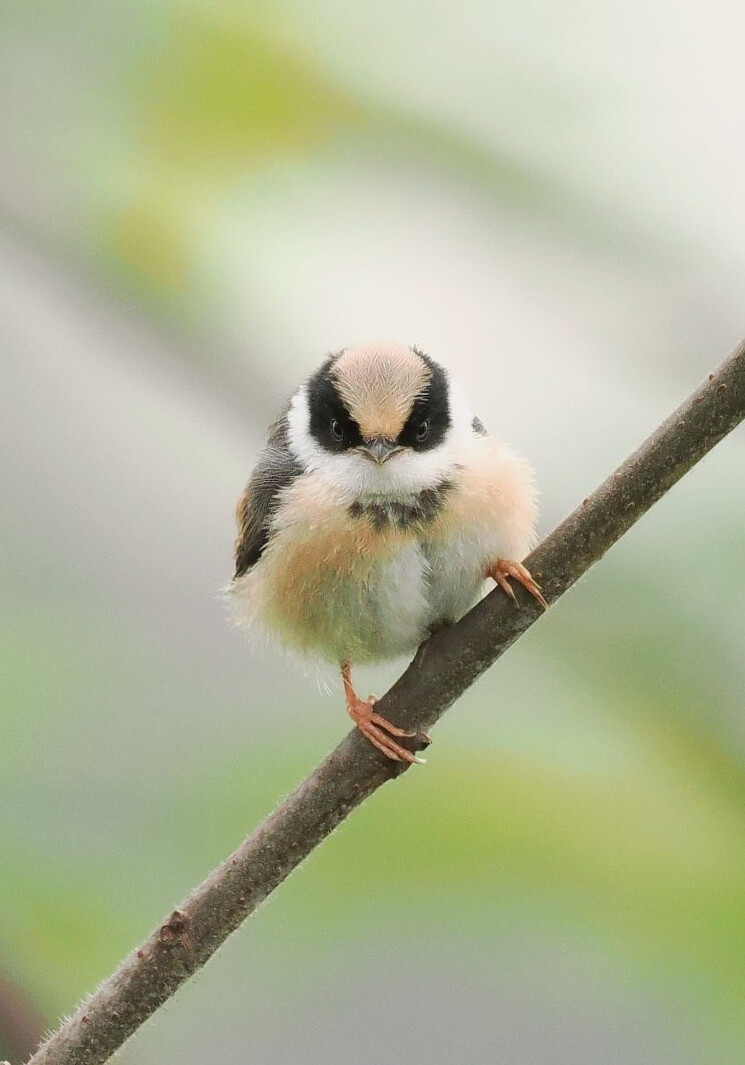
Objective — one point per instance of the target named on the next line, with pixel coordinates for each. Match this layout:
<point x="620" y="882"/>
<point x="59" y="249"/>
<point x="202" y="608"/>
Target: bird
<point x="377" y="510"/>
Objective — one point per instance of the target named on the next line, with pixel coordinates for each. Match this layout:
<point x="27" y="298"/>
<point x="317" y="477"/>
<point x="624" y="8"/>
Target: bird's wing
<point x="276" y="469"/>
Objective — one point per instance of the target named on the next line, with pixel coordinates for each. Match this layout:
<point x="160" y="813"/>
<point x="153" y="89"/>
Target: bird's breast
<point x="343" y="580"/>
<point x="368" y="577"/>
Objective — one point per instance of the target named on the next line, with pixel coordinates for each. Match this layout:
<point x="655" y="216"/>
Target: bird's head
<point x="380" y="420"/>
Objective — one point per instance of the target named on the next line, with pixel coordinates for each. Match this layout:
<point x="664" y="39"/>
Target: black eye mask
<point x="331" y="424"/>
<point x="430" y="416"/>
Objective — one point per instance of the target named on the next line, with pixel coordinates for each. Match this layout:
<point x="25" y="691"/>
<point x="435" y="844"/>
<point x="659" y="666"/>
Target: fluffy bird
<point x="373" y="517"/>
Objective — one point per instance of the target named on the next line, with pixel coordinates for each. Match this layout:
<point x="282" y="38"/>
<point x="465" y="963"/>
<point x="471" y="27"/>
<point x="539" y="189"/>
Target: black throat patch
<point x="418" y="512"/>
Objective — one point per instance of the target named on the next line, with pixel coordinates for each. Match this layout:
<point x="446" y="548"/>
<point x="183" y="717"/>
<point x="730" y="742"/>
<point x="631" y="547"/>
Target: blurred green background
<point x="197" y="201"/>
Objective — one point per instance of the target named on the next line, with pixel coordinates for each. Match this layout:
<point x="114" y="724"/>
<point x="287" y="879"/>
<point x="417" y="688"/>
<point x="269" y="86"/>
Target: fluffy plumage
<point x="376" y="510"/>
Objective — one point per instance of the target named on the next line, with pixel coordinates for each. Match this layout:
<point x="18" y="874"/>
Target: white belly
<point x="454" y="579"/>
<point x="401" y="604"/>
<point x="384" y="615"/>
<point x="377" y="609"/>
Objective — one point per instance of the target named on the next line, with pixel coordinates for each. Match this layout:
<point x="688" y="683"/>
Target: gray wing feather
<point x="478" y="427"/>
<point x="276" y="469"/>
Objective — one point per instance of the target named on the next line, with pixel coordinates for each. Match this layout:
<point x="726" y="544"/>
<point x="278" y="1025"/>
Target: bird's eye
<point x="422" y="431"/>
<point x="336" y="430"/>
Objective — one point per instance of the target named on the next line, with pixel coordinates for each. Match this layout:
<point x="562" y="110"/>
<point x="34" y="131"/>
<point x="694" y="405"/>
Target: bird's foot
<point x="379" y="731"/>
<point x="500" y="570"/>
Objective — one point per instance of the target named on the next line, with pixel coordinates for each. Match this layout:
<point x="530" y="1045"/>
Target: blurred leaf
<point x="224" y="92"/>
<point x="659" y="669"/>
<point x="221" y="96"/>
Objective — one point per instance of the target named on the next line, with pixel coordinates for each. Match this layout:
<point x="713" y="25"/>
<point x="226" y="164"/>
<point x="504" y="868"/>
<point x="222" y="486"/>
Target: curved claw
<point x="504" y="568"/>
<point x="377" y="729"/>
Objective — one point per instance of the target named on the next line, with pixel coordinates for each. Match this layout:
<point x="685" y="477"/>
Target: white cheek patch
<point x="302" y="444"/>
<point x="460" y="432"/>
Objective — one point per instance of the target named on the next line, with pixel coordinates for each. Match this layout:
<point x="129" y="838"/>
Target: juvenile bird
<point x="375" y="513"/>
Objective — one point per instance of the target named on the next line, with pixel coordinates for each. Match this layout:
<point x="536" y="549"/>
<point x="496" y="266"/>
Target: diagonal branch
<point x="441" y="671"/>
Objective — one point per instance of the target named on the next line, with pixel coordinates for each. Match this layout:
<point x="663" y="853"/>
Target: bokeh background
<point x="197" y="201"/>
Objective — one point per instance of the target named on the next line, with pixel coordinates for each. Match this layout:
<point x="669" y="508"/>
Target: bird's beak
<point x="379" y="449"/>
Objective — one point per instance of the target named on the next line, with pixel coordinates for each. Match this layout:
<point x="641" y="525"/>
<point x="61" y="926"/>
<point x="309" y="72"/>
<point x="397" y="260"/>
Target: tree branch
<point x="442" y="669"/>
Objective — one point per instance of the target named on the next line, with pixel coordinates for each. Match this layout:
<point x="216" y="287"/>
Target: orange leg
<point x="500" y="570"/>
<point x="380" y="732"/>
